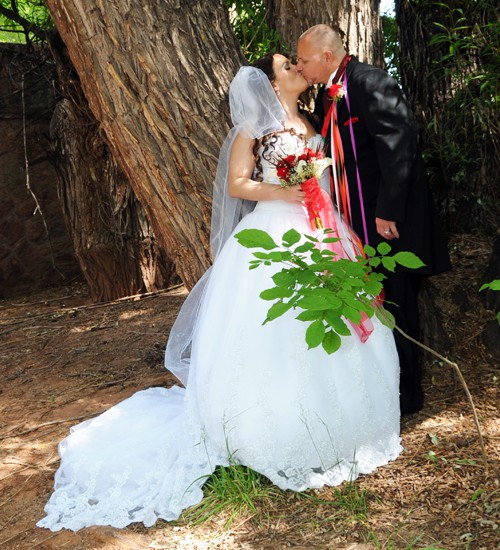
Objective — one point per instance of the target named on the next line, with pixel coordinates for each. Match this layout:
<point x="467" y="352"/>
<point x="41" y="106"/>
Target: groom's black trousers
<point x="402" y="288"/>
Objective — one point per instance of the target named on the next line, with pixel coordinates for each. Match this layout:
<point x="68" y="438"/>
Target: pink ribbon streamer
<point x="319" y="205"/>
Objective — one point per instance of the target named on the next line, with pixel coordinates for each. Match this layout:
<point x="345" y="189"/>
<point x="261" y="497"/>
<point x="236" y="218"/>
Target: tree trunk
<point x="156" y="75"/>
<point x="112" y="238"/>
<point x="447" y="84"/>
<point x="359" y="22"/>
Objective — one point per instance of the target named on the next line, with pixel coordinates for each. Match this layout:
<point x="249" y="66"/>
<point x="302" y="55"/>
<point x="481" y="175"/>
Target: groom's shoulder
<point x="359" y="67"/>
<point x="369" y="74"/>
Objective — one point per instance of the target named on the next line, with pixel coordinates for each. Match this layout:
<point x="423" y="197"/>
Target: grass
<point x="235" y="490"/>
<point x="348" y="497"/>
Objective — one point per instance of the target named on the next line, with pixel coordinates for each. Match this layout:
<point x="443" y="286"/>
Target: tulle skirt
<point x="255" y="396"/>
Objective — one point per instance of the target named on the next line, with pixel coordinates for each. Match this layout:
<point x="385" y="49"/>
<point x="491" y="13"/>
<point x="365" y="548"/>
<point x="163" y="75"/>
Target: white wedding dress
<point x="256" y="396"/>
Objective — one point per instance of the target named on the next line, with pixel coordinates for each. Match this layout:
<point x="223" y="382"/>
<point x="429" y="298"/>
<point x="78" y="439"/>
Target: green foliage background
<point x="249" y="22"/>
<point x="461" y="134"/>
<point x="32" y="11"/>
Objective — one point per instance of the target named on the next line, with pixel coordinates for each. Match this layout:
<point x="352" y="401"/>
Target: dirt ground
<point x="63" y="360"/>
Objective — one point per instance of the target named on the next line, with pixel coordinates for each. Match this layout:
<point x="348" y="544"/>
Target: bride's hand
<point x="292" y="194"/>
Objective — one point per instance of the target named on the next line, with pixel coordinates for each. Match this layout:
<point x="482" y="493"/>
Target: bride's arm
<point x="240" y="182"/>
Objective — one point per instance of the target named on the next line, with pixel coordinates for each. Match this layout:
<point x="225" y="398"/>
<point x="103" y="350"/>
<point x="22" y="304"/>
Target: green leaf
<point x="337" y="323"/>
<point x="408" y="259"/>
<point x="331" y="342"/>
<point x="434" y="439"/>
<point x="373" y="287"/>
<point x="353" y="269"/>
<point x="383" y="248"/>
<point x="476" y="495"/>
<point x="369" y="250"/>
<point x="309" y="315"/>
<point x="276" y="256"/>
<point x="355" y="302"/>
<point x="331" y="240"/>
<point x="389" y="263"/>
<point x="313" y="302"/>
<point x="291" y="237"/>
<point x="277" y="310"/>
<point x="306" y="277"/>
<point x="356" y="283"/>
<point x="330" y="297"/>
<point x="316" y="255"/>
<point x="305" y="247"/>
<point x="312" y="239"/>
<point x="493" y="285"/>
<point x="385" y="317"/>
<point x="255" y="238"/>
<point x="352" y="314"/>
<point x="466" y="461"/>
<point x="283" y="278"/>
<point x="374" y="262"/>
<point x="315" y="333"/>
<point x="261" y="255"/>
<point x="276" y="292"/>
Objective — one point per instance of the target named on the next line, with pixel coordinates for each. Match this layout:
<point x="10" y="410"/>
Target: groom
<point x="389" y="196"/>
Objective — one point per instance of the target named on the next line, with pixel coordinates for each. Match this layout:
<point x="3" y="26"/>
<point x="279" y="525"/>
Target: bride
<point x="254" y="394"/>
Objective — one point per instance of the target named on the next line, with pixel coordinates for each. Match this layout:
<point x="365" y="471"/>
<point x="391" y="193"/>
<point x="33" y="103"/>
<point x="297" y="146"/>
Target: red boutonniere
<point x="336" y="92"/>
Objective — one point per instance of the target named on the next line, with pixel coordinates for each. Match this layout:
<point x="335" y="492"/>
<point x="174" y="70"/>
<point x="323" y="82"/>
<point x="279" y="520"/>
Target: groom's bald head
<point x="319" y="52"/>
<point x="324" y="38"/>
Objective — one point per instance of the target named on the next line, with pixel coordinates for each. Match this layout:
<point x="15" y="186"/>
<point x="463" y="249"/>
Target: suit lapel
<point x="342" y="110"/>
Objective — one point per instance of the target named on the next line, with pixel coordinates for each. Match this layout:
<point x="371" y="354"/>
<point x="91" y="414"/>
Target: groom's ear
<point x="328" y="56"/>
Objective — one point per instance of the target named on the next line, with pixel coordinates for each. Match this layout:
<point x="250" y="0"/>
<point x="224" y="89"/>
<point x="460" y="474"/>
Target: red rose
<point x="333" y="90"/>
<point x="282" y="172"/>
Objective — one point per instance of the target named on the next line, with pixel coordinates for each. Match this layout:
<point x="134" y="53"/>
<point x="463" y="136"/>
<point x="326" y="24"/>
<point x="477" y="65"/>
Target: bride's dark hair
<point x="265" y="64"/>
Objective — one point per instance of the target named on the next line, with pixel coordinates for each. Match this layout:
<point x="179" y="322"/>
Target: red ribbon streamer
<point x="320" y="214"/>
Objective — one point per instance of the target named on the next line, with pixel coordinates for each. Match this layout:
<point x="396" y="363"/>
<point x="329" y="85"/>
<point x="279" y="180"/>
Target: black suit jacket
<point x="393" y="176"/>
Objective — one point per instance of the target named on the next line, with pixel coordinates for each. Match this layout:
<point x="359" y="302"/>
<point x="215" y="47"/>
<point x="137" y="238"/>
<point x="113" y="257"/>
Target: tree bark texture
<point x="113" y="241"/>
<point x="358" y="21"/>
<point x="156" y="75"/>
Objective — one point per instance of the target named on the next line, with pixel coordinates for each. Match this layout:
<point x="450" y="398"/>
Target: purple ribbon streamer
<point x="360" y="192"/>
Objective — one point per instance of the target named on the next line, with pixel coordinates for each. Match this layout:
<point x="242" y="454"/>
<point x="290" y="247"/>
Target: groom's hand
<point x="386" y="229"/>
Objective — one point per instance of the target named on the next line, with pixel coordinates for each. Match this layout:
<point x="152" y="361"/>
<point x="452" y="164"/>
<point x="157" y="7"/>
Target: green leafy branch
<point x="493" y="285"/>
<point x="331" y="290"/>
<point x="328" y="292"/>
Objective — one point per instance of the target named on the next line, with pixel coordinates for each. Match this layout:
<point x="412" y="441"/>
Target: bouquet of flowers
<point x="296" y="169"/>
<point x="304" y="169"/>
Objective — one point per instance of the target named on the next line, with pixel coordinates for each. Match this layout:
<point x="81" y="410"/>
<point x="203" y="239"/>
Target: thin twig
<point x="464" y="385"/>
<point x="28" y="186"/>
<point x="41" y="302"/>
<point x="43" y="425"/>
<point x="16" y="472"/>
<point x="142" y="296"/>
<point x="2" y="504"/>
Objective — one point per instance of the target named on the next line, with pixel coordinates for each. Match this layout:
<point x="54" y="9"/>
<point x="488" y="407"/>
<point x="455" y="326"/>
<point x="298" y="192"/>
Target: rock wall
<point x="32" y="256"/>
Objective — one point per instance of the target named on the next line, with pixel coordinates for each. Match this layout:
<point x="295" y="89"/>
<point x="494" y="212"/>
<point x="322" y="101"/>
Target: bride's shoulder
<point x="315" y="141"/>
